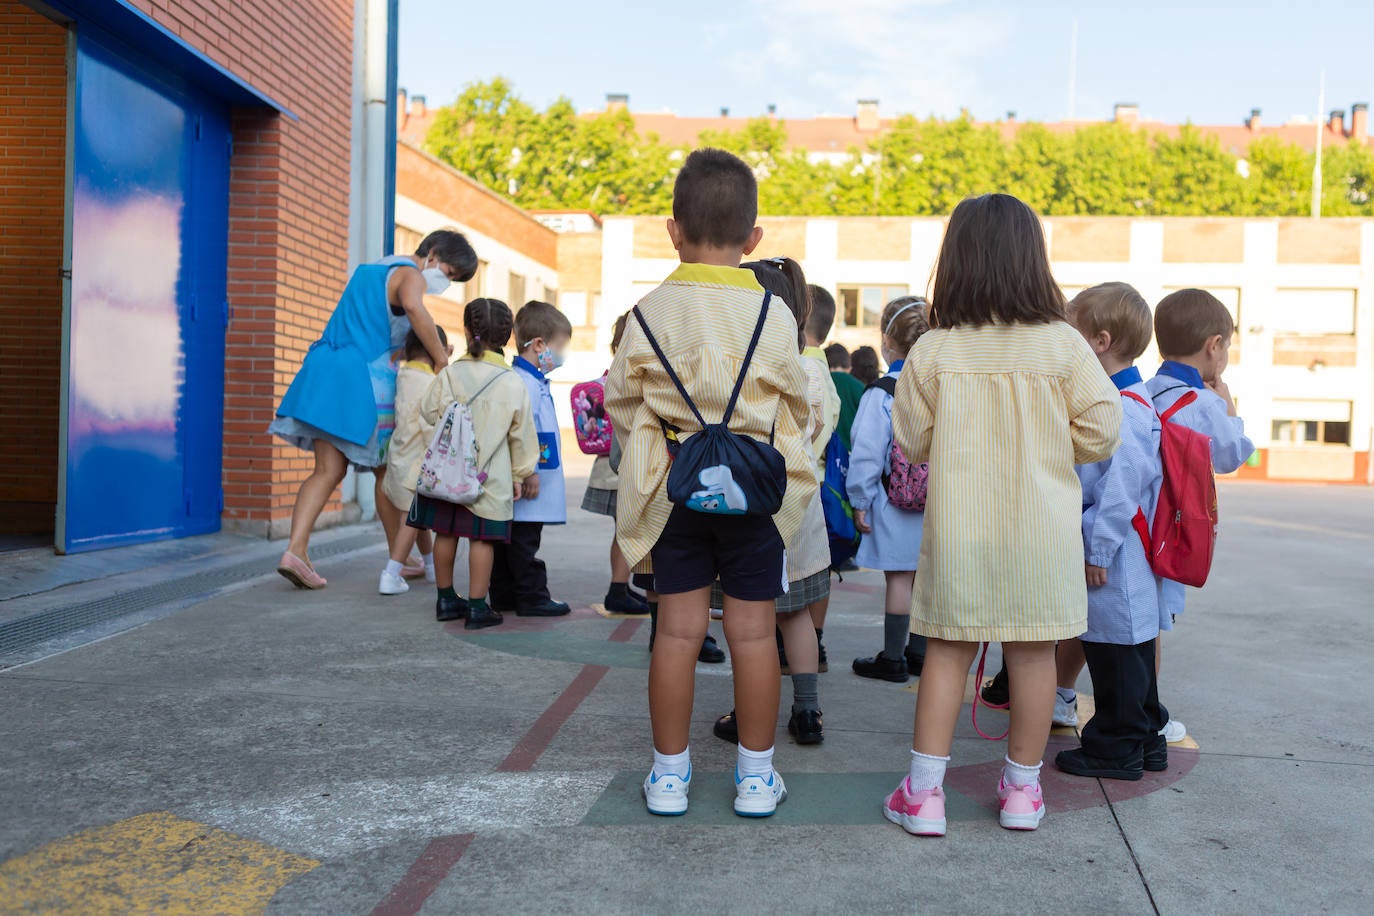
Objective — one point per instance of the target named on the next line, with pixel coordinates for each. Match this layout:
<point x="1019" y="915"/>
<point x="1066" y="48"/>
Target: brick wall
<point x="33" y="114"/>
<point x="289" y="188"/>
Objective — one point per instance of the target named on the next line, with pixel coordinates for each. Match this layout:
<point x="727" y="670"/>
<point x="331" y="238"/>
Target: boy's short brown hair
<point x="822" y="317"/>
<point x="715" y="199"/>
<point x="1118" y="309"/>
<point x="837" y="357"/>
<point x="1185" y="320"/>
<point x="540" y="319"/>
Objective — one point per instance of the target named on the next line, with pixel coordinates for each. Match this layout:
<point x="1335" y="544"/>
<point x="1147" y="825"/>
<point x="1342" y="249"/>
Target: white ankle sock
<point x="428" y="560"/>
<point x="927" y="772"/>
<point x="679" y="765"/>
<point x="1015" y="774"/>
<point x="754" y="763"/>
<point x="1066" y="694"/>
<point x="393" y="568"/>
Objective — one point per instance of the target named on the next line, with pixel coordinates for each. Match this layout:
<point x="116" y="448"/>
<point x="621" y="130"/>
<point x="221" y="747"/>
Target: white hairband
<point x="893" y="320"/>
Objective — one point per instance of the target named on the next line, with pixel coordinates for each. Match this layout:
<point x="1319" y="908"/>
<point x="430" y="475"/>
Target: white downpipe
<point x="367" y="194"/>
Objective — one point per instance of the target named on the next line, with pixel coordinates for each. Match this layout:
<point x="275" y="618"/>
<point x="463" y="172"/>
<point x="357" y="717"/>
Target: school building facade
<point x="184" y="185"/>
<point x="1301" y="290"/>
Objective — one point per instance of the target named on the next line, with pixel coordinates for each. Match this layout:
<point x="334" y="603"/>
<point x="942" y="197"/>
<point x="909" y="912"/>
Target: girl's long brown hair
<point x="994" y="267"/>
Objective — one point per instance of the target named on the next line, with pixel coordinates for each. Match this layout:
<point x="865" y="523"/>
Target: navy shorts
<point x="745" y="552"/>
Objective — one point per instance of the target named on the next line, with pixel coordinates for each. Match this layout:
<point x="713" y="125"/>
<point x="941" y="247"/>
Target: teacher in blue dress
<point x="341" y="404"/>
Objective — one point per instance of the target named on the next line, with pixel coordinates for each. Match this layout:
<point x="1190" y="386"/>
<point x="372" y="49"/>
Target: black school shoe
<point x="805" y="726"/>
<point x="727" y="728"/>
<point x="624" y="601"/>
<point x="710" y="653"/>
<point x="1079" y="762"/>
<point x="549" y="608"/>
<point x="915" y="663"/>
<point x="1156" y="754"/>
<point x="481" y="618"/>
<point x="881" y="668"/>
<point x="446" y="609"/>
<point x="998" y="693"/>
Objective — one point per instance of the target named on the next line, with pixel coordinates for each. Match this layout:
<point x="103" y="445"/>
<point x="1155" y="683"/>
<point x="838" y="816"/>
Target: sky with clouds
<point x="1206" y="61"/>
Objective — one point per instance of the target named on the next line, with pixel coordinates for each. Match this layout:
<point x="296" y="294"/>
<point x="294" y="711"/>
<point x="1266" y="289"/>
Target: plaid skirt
<point x="799" y="594"/>
<point x="600" y="502"/>
<point x="455" y="521"/>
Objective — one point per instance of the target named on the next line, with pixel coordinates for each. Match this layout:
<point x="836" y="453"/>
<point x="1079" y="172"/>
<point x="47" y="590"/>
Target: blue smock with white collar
<point x="1125" y="611"/>
<point x="550" y="507"/>
<point x="894" y="545"/>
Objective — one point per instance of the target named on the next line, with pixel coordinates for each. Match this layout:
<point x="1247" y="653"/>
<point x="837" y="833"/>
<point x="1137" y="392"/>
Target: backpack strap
<point x="682" y="389"/>
<point x="1178" y="405"/>
<point x="1138" y="399"/>
<point x="886" y="384"/>
<point x="748" y="358"/>
<point x="489" y="382"/>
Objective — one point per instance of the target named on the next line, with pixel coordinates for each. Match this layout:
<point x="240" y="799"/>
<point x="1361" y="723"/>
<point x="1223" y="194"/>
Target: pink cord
<point x="978" y="698"/>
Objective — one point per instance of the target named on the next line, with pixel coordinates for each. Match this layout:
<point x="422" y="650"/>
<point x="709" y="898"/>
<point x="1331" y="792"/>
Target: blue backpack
<point x="839" y="514"/>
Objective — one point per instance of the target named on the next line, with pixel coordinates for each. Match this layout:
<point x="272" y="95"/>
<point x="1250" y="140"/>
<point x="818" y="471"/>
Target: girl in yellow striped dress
<point x="1003" y="397"/>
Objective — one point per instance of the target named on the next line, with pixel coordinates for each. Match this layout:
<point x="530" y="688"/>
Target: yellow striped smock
<point x="703" y="316"/>
<point x="1003" y="413"/>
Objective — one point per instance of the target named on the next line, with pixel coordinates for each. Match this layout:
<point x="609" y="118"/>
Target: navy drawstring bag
<point x="716" y="471"/>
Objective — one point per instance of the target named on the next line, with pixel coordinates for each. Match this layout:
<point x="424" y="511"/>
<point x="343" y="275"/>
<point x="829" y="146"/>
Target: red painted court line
<point x="536" y="741"/>
<point x="432" y="867"/>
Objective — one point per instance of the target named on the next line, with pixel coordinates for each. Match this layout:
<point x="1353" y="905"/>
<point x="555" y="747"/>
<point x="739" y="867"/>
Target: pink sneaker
<point x="918" y="813"/>
<point x="1022" y="807"/>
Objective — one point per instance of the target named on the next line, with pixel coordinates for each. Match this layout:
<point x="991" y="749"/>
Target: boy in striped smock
<point x="1122" y="739"/>
<point x="703" y="317"/>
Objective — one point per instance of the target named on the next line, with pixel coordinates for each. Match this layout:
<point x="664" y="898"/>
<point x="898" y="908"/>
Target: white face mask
<point x="435" y="280"/>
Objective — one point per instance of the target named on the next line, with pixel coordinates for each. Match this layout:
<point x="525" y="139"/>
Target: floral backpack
<point x="905" y="482"/>
<point x="590" y="422"/>
<point x="449" y="471"/>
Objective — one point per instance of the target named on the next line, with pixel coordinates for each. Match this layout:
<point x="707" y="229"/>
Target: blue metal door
<point x="143" y="400"/>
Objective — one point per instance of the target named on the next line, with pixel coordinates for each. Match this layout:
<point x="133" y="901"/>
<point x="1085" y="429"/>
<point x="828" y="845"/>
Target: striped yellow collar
<point x="816" y="353"/>
<point x="418" y="364"/>
<point x="492" y="357"/>
<point x="715" y="276"/>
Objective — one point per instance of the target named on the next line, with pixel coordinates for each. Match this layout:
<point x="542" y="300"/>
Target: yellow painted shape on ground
<point x="152" y="863"/>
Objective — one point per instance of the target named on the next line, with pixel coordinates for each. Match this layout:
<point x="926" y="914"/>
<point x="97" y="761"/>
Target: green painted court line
<point x="836" y="799"/>
<point x="558" y="646"/>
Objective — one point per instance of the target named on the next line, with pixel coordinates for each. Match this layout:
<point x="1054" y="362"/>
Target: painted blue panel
<point x="146" y="342"/>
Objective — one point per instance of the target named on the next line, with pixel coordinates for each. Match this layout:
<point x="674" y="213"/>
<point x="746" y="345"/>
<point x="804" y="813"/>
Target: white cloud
<point x="918" y="56"/>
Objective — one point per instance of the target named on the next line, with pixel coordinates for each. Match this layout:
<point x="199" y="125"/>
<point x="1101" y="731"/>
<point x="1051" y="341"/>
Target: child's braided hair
<point x="489" y="323"/>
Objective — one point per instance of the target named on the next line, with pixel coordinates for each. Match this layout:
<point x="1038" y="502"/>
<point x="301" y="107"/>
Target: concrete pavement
<point x="339" y="752"/>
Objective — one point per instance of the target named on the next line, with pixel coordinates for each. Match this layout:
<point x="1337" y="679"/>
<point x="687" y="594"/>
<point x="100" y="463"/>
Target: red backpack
<point x="1180" y="542"/>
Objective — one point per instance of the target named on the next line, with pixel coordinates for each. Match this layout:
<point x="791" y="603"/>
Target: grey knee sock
<point x="806" y="692"/>
<point x="895" y="630"/>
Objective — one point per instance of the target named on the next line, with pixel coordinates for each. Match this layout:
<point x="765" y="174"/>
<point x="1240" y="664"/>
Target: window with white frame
<point x="1313" y="423"/>
<point x="862" y="306"/>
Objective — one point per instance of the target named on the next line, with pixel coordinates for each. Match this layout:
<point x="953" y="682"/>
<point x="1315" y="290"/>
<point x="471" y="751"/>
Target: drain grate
<point x="25" y="632"/>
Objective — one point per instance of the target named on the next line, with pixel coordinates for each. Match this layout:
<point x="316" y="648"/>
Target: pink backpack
<point x="590" y="422"/>
<point x="906" y="483"/>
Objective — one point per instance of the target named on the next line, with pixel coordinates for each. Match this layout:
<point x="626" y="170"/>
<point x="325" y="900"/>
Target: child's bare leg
<point x="481" y="557"/>
<point x="799" y="641"/>
<point x="817" y="611"/>
<point x="620" y="570"/>
<point x="392" y="519"/>
<point x="900" y="585"/>
<point x="749" y="627"/>
<point x="1069" y="662"/>
<point x="445" y="553"/>
<point x="425" y="541"/>
<point x="1030" y="666"/>
<point x="1159" y="653"/>
<point x="314" y="493"/>
<point x="682" y="620"/>
<point x="942" y="695"/>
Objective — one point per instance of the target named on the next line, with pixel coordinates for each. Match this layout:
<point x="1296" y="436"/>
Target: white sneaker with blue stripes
<point x="666" y="795"/>
<point x="756" y="796"/>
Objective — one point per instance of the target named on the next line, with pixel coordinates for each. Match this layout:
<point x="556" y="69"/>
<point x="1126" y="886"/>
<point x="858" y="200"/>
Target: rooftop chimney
<point x="1359" y="121"/>
<point x="1336" y="122"/>
<point x="1127" y="113"/>
<point x="772" y="110"/>
<point x="402" y="108"/>
<point x="417" y="106"/>
<point x="725" y="112"/>
<point x="1011" y="116"/>
<point x="867" y="118"/>
<point x="1253" y="122"/>
<point x="617" y="101"/>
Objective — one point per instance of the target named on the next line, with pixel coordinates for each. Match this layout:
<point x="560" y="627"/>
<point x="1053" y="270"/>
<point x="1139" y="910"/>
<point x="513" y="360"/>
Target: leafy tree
<point x="1195" y="175"/>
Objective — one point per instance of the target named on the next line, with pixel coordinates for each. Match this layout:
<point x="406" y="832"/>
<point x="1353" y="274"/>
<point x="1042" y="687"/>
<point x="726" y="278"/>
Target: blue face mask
<point x="549" y="360"/>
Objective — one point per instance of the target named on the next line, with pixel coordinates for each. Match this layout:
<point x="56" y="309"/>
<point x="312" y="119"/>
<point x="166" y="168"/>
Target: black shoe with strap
<point x="1156" y="754"/>
<point x="727" y="728"/>
<point x="446" y="609"/>
<point x="710" y="653"/>
<point x="881" y="668"/>
<point x="805" y="726"/>
<point x="479" y="618"/>
<point x="548" y="608"/>
<point x="998" y="693"/>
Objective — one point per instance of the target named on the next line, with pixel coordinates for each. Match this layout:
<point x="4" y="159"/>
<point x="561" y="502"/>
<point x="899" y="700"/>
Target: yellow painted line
<point x="152" y="863"/>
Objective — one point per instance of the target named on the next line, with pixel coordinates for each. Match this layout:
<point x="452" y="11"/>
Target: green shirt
<point x="851" y="390"/>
